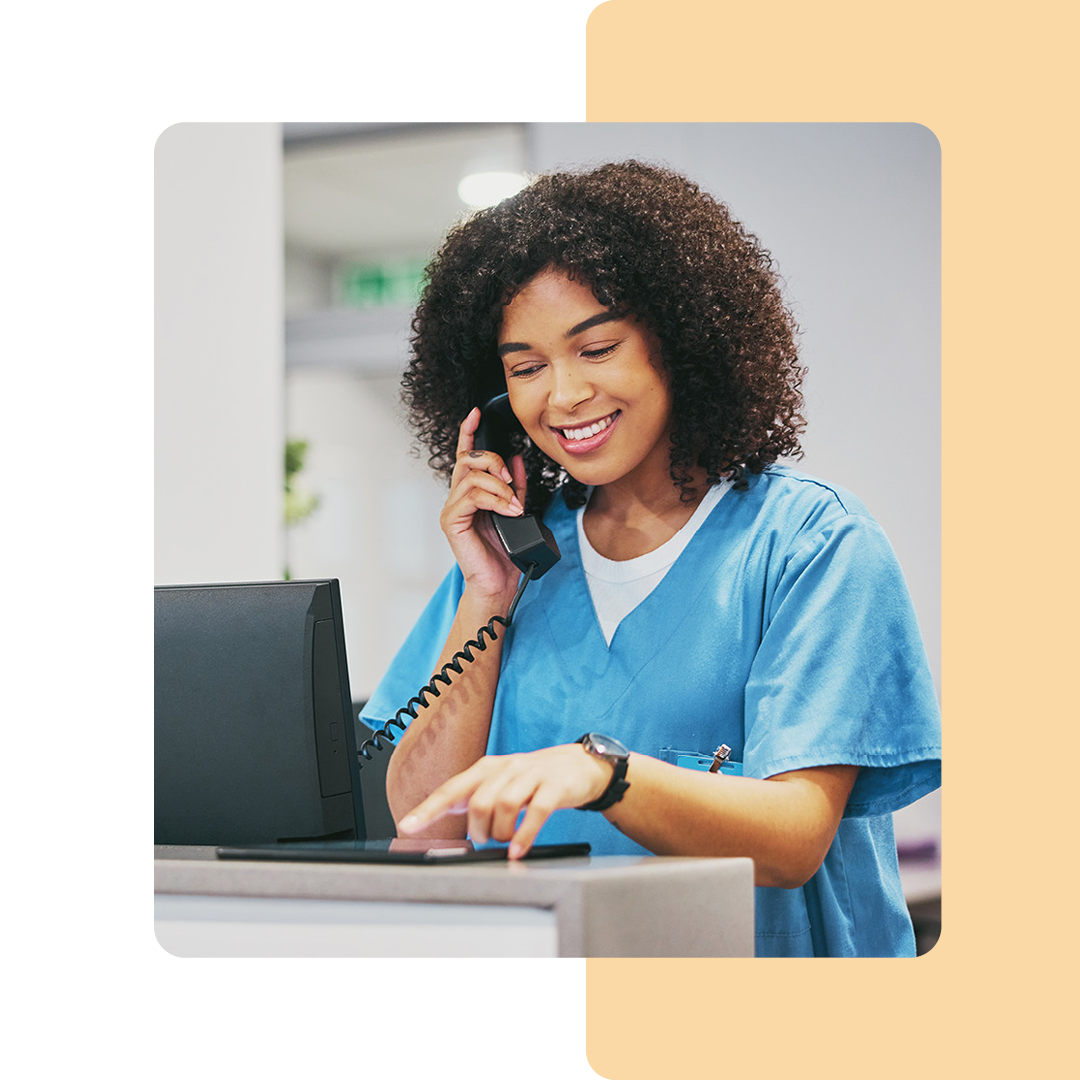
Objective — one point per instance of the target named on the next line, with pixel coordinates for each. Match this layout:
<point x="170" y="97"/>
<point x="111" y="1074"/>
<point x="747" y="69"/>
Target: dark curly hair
<point x="648" y="242"/>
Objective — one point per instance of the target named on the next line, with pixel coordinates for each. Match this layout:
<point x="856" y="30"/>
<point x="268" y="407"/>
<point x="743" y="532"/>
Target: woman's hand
<point x="495" y="790"/>
<point x="482" y="481"/>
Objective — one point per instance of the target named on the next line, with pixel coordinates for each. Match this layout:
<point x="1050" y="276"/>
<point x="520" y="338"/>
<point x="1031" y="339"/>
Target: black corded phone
<point x="527" y="541"/>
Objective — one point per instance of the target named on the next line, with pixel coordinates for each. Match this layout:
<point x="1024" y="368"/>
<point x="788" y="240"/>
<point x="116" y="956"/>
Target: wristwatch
<point x="615" y="754"/>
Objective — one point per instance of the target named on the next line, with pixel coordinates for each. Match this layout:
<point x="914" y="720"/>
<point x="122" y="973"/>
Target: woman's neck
<point x="626" y="521"/>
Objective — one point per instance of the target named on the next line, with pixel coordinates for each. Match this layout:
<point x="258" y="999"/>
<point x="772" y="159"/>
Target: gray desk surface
<point x="604" y="905"/>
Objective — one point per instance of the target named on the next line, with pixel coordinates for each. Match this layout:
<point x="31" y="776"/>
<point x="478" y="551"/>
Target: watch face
<point x="605" y="744"/>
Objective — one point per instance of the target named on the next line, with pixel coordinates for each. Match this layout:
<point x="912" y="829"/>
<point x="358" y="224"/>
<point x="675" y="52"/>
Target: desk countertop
<point x="604" y="905"/>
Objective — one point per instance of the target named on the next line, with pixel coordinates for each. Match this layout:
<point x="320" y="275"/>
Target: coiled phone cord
<point x="454" y="664"/>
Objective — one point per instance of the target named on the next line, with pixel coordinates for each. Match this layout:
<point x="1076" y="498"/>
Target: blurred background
<point x="287" y="262"/>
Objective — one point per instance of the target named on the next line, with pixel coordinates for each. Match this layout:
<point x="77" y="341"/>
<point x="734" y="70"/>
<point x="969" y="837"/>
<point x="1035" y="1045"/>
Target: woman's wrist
<point x="485" y="601"/>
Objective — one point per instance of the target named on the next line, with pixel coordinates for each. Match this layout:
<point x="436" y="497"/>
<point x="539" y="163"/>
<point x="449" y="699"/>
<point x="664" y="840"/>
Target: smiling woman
<point x="705" y="594"/>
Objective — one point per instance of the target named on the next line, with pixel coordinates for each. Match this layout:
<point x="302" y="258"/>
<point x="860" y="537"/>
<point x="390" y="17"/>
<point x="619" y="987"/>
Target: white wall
<point x="376" y="527"/>
<point x="219" y="354"/>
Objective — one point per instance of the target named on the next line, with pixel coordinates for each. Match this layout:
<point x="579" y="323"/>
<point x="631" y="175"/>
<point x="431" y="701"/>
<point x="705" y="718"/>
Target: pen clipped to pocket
<point x="719" y="761"/>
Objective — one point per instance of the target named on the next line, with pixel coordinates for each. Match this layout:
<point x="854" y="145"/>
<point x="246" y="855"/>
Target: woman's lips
<point x="590" y="442"/>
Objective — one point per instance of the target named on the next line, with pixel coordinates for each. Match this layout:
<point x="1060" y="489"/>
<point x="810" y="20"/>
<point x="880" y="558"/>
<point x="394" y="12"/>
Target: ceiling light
<point x="488" y="188"/>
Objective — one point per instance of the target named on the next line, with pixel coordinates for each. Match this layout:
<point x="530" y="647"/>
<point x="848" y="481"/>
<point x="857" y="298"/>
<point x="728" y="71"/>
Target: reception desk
<point x="590" y="906"/>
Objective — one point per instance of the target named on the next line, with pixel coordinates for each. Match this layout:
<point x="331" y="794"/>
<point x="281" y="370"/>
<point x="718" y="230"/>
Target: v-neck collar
<point x="643" y="630"/>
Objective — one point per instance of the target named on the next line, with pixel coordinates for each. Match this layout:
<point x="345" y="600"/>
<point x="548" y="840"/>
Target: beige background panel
<point x="992" y="86"/>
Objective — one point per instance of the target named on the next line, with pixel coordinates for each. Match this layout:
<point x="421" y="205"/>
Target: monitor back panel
<point x="253" y="733"/>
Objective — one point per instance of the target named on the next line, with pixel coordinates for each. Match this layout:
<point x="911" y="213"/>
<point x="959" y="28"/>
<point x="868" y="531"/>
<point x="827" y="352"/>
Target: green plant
<point x="298" y="504"/>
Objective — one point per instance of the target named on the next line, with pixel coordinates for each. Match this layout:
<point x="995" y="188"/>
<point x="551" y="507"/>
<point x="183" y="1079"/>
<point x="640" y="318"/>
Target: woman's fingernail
<point x="516" y="506"/>
<point x="407" y="824"/>
<point x="515" y="851"/>
<point x="506" y="476"/>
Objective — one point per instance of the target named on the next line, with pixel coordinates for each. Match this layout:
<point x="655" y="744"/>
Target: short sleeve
<point x="415" y="661"/>
<point x="841" y="675"/>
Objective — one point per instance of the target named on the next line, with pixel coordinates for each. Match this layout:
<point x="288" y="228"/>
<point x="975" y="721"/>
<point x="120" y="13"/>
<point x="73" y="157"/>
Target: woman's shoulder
<point x="793" y="511"/>
<point x="780" y="488"/>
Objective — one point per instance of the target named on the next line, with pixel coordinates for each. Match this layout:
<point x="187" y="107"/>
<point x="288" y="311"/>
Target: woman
<point x="705" y="595"/>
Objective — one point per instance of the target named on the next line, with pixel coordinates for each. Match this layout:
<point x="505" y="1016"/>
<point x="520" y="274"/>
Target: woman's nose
<point x="569" y="390"/>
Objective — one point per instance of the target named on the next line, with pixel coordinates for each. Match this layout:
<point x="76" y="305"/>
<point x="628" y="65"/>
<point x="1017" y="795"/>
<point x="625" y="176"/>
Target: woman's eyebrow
<point x="595" y="320"/>
<point x="588" y="324"/>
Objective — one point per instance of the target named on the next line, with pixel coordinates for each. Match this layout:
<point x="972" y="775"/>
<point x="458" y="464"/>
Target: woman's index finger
<point x="467" y="431"/>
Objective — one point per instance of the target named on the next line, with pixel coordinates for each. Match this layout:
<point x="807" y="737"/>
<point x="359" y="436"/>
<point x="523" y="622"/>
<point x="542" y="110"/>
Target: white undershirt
<point x="618" y="587"/>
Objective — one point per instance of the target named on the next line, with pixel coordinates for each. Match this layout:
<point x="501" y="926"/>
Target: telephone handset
<point x="532" y="549"/>
<point x="526" y="540"/>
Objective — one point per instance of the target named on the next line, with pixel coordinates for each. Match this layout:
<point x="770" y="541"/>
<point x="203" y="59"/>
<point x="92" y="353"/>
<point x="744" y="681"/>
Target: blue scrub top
<point x="785" y="630"/>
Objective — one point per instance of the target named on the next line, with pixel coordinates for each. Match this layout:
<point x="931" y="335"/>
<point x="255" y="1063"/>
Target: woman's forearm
<point x="785" y="824"/>
<point x="451" y="732"/>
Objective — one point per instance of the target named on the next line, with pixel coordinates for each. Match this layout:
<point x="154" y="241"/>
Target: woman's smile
<point x="587" y="437"/>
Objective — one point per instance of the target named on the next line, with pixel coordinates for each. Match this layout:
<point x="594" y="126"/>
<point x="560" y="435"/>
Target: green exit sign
<point x="390" y="284"/>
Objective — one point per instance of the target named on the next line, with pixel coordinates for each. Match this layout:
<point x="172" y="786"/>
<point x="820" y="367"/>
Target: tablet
<point x="409" y="852"/>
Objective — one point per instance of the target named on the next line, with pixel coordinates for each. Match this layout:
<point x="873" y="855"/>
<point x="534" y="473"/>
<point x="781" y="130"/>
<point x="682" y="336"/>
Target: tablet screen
<point x="413" y="852"/>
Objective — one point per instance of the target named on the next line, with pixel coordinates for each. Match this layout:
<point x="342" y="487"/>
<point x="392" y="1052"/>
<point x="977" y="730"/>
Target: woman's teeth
<point x="577" y="434"/>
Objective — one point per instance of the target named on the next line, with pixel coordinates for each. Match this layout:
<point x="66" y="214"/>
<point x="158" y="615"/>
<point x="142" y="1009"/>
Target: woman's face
<point x="588" y="387"/>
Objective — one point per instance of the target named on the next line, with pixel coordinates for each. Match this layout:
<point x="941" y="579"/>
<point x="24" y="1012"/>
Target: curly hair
<point x="648" y="242"/>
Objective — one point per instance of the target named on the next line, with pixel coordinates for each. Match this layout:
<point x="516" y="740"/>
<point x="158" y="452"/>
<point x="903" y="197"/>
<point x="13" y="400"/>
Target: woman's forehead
<point x="552" y="294"/>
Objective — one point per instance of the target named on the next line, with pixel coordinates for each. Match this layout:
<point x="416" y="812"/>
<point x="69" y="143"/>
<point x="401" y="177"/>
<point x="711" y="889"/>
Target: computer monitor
<point x="253" y="731"/>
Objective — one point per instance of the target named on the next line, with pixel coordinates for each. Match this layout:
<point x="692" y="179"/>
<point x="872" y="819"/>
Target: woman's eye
<point x="599" y="353"/>
<point x="525" y="372"/>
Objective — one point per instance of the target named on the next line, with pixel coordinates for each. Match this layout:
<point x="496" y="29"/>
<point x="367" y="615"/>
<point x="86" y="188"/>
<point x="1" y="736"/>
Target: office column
<point x="219" y="353"/>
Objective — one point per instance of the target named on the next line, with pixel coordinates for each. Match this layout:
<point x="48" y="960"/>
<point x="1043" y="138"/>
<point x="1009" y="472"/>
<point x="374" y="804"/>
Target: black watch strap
<point x="618" y="784"/>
